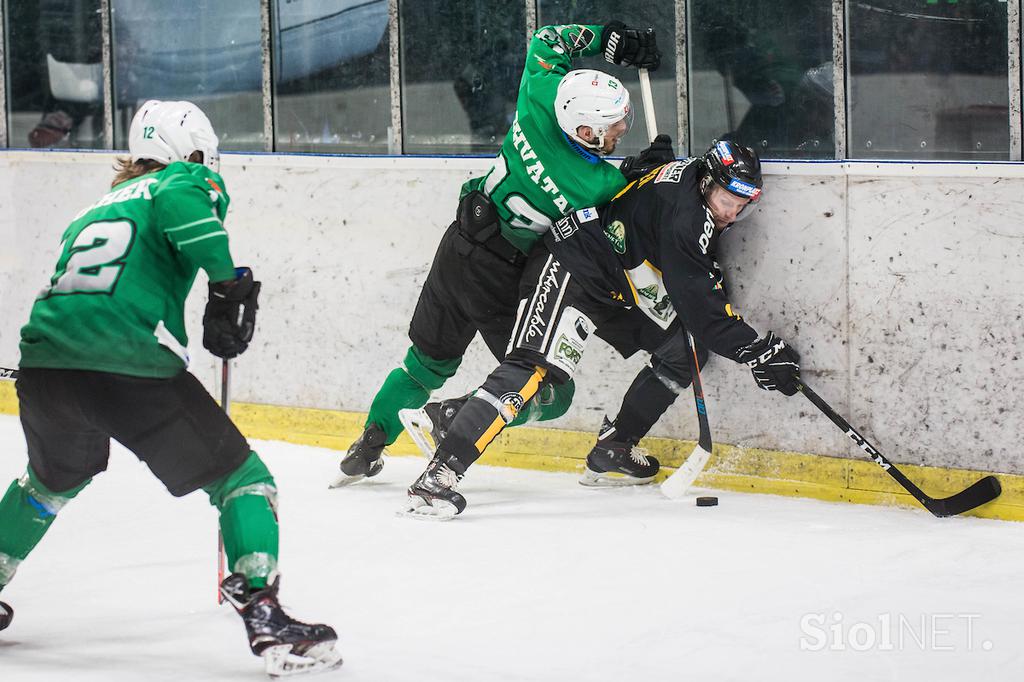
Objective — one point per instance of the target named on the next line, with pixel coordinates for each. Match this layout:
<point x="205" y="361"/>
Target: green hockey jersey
<point x="541" y="175"/>
<point x="116" y="300"/>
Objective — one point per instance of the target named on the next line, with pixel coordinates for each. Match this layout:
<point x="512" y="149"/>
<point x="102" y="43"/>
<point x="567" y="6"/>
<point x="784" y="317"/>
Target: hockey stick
<point x="8" y="373"/>
<point x="676" y="485"/>
<point x="225" y="404"/>
<point x="975" y="495"/>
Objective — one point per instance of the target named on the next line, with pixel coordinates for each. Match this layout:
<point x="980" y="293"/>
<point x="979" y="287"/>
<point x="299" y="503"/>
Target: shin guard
<point x="645" y="401"/>
<point x="247" y="501"/>
<point x="408" y="386"/>
<point x="26" y="512"/>
<point x="495" y="405"/>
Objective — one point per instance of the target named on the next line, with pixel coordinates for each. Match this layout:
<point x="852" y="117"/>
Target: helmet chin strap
<point x="597" y="147"/>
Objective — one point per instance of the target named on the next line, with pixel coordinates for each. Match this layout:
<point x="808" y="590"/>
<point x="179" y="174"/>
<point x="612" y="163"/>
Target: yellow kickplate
<point x="731" y="467"/>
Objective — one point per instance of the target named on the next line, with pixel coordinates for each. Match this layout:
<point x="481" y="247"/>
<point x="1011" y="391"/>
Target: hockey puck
<point x="707" y="501"/>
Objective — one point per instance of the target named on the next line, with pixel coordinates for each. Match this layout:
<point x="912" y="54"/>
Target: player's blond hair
<point x="126" y="169"/>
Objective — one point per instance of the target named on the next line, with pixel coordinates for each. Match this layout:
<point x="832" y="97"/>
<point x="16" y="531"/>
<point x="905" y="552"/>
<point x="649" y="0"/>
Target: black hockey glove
<point x="230" y="317"/>
<point x="658" y="154"/>
<point x="630" y="47"/>
<point x="776" y="366"/>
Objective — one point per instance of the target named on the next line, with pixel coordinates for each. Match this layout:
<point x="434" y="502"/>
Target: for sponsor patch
<point x="563" y="229"/>
<point x="671" y="172"/>
<point x="724" y="154"/>
<point x="743" y="188"/>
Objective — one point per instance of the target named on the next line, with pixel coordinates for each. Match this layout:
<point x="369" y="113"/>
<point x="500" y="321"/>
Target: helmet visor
<point x="744" y="190"/>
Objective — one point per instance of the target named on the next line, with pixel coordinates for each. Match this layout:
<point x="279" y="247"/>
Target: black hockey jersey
<point x="654" y="247"/>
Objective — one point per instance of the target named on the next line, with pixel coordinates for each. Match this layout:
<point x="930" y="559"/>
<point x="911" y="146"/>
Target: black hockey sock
<point x="646" y="400"/>
<point x="492" y="407"/>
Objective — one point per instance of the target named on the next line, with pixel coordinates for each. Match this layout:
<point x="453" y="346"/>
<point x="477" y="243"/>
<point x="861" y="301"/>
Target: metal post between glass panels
<point x="1013" y="38"/>
<point x="108" y="76"/>
<point x="396" y="143"/>
<point x="531" y="19"/>
<point x="839" y="75"/>
<point x="682" y="82"/>
<point x="3" y="78"/>
<point x="269" y="143"/>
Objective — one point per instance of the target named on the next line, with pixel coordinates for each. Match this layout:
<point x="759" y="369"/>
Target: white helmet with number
<point x="591" y="98"/>
<point x="171" y="131"/>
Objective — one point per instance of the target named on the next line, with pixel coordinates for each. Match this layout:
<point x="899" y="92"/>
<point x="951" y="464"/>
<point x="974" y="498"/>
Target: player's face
<point x="725" y="206"/>
<point x="614" y="134"/>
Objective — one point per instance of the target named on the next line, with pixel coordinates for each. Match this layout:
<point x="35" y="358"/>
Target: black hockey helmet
<point x="734" y="168"/>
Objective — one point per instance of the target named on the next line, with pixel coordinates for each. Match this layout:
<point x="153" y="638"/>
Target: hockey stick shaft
<point x="676" y="485"/>
<point x="225" y="404"/>
<point x="982" y="491"/>
<point x="8" y="373"/>
<point x="648" y="100"/>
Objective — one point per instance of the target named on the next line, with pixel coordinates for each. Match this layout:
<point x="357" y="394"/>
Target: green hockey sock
<point x="551" y="402"/>
<point x="26" y="512"/>
<point x="408" y="386"/>
<point x="247" y="499"/>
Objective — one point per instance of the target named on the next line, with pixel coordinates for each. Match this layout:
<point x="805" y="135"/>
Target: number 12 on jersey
<point x="93" y="261"/>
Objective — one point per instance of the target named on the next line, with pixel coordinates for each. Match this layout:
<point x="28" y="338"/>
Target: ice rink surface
<point x="540" y="579"/>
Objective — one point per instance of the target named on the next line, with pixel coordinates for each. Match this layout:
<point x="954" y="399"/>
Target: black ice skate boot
<point x="441" y="415"/>
<point x="432" y="419"/>
<point x="6" y="615"/>
<point x="286" y="645"/>
<point x="364" y="457"/>
<point x="617" y="462"/>
<point x="432" y="496"/>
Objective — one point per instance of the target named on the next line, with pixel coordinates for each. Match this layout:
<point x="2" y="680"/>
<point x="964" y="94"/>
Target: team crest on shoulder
<point x="616" y="234"/>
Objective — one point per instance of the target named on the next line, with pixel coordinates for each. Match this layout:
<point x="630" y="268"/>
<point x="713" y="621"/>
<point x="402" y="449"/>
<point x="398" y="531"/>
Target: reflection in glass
<point x="461" y="65"/>
<point x="55" y="73"/>
<point x="209" y="55"/>
<point x="331" y="77"/>
<point x="928" y="79"/>
<point x="657" y="14"/>
<point x="761" y="74"/>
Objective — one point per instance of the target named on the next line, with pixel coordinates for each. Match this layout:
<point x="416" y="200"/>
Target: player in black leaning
<point x="638" y="273"/>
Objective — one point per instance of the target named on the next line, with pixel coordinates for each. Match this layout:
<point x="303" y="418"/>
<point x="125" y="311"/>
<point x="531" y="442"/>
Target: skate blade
<point x="345" y="480"/>
<point x="608" y="479"/>
<point x="419" y="427"/>
<point x="422" y="510"/>
<point x="281" y="662"/>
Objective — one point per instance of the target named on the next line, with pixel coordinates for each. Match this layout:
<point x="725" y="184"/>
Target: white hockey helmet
<point x="586" y="97"/>
<point x="171" y="131"/>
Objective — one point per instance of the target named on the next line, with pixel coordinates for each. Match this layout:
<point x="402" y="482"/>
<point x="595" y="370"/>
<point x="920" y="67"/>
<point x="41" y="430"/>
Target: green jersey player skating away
<point x="549" y="165"/>
<point x="104" y="355"/>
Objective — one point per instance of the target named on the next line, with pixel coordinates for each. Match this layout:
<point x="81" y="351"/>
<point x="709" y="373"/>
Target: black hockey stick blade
<point x="975" y="495"/>
<point x="979" y="493"/>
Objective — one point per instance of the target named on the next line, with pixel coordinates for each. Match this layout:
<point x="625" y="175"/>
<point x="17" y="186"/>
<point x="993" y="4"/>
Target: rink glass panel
<point x="761" y="73"/>
<point x="54" y="73"/>
<point x="331" y="76"/>
<point x="209" y="54"/>
<point x="461" y="65"/>
<point x="659" y="15"/>
<point x="928" y="79"/>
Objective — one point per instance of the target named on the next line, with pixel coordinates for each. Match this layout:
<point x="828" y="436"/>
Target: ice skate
<point x="365" y="457"/>
<point x="6" y="615"/>
<point x="288" y="647"/>
<point x="432" y="496"/>
<point x="428" y="425"/>
<point x="614" y="463"/>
